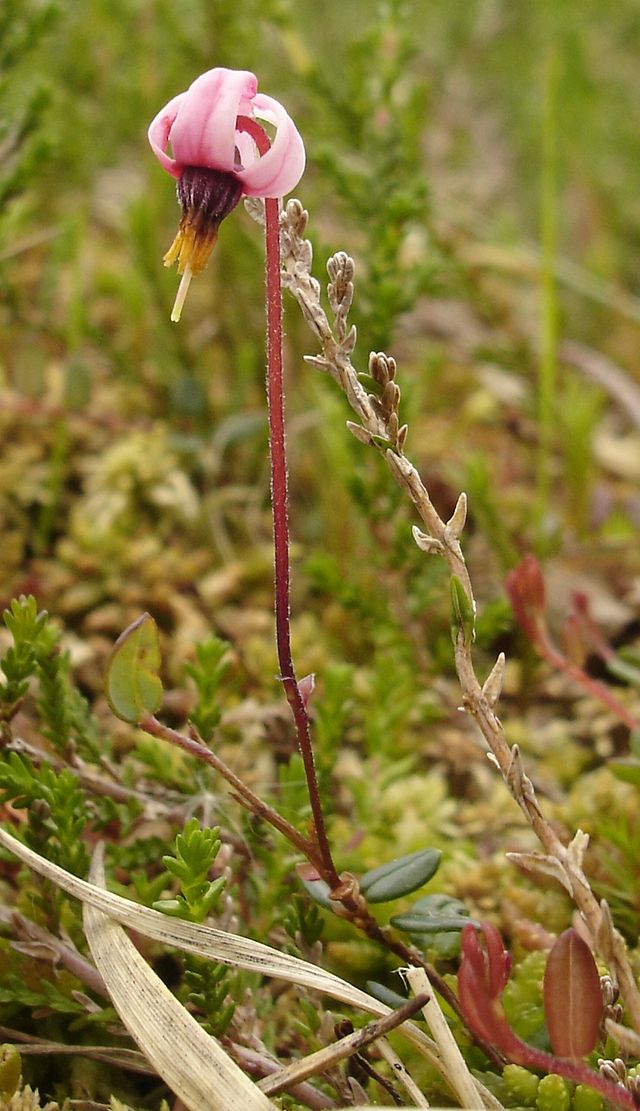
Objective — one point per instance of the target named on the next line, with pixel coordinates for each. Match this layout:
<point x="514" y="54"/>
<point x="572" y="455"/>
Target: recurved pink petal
<point x="246" y="151"/>
<point x="280" y="169"/>
<point x="159" y="134"/>
<point x="203" y="133"/>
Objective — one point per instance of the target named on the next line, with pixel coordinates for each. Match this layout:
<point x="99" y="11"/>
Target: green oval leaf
<point x="319" y="892"/>
<point x="390" y="998"/>
<point x="400" y="877"/>
<point x="10" y="1071"/>
<point x="430" y="924"/>
<point x="434" y="914"/>
<point x="133" y="686"/>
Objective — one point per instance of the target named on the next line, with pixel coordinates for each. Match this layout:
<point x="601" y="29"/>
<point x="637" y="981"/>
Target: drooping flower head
<point x="218" y="156"/>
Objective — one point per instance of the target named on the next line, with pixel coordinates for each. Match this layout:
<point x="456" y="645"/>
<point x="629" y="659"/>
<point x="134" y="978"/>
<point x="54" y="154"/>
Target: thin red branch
<point x="252" y="802"/>
<point x="525" y="587"/>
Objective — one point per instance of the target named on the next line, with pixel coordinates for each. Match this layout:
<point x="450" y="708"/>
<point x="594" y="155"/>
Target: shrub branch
<point x="378" y="427"/>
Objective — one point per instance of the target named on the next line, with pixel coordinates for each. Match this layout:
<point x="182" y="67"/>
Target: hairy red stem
<point x="279" y="506"/>
<point x="577" y="1071"/>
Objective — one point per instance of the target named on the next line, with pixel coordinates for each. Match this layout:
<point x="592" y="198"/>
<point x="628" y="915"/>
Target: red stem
<point x="598" y="690"/>
<point x="577" y="1071"/>
<point x="279" y="505"/>
<point x="243" y="794"/>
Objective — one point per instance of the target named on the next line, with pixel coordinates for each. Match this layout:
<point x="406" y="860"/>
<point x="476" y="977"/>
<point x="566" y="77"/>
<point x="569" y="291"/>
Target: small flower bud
<point x="390" y="397"/>
<point x="349" y="340"/>
<point x="297" y="216"/>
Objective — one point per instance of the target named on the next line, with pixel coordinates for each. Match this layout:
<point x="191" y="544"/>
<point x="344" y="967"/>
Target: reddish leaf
<point x="481" y="979"/>
<point x="572" y="996"/>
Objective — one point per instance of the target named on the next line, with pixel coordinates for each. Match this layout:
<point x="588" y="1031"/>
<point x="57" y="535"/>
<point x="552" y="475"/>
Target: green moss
<point x="554" y="1094"/>
<point x="586" y="1099"/>
<point x="523" y="996"/>
<point x="521" y="1085"/>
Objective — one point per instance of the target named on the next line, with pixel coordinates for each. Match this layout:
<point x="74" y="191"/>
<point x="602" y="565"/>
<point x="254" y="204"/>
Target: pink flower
<point x="219" y="154"/>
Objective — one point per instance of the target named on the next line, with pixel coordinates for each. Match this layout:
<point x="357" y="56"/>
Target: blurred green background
<point x="478" y="159"/>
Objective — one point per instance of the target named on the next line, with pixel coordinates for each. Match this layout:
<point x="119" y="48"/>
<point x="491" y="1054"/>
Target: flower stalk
<point x="220" y="153"/>
<point x="280" y="510"/>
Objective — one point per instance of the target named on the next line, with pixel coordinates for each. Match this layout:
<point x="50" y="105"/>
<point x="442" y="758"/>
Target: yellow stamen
<point x="181" y="295"/>
<point x="191" y="249"/>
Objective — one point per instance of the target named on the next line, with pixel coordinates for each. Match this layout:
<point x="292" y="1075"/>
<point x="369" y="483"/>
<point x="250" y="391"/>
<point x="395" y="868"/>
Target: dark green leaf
<point x="400" y="877"/>
<point x="434" y="914"/>
<point x="319" y="892"/>
<point x="412" y="923"/>
<point x="385" y="994"/>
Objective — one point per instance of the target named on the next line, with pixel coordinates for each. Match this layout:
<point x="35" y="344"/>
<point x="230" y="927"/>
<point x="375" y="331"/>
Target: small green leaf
<point x="400" y="877"/>
<point x="133" y="687"/>
<point x="386" y="995"/>
<point x="319" y="892"/>
<point x="434" y="914"/>
<point x="623" y="669"/>
<point x="10" y="1070"/>
<point x="430" y="924"/>
<point x="172" y="907"/>
<point x="463" y="618"/>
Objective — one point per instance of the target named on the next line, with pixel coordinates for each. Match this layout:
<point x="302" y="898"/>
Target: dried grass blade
<point x="191" y="1062"/>
<point x="457" y="1074"/>
<point x="328" y="1057"/>
<point x="216" y="945"/>
<point x="204" y="941"/>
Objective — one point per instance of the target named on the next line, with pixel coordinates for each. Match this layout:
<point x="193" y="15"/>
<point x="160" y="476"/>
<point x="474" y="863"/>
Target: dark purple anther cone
<point x="208" y="195"/>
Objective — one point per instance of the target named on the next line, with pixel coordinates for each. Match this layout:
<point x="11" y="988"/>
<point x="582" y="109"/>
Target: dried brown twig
<point x="347" y="1046"/>
<point x="378" y="426"/>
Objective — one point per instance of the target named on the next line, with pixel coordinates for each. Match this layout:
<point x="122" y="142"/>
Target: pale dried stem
<point x="379" y="429"/>
<point x="400" y="1072"/>
<point x="324" y="1059"/>
<point x="459" y="1076"/>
